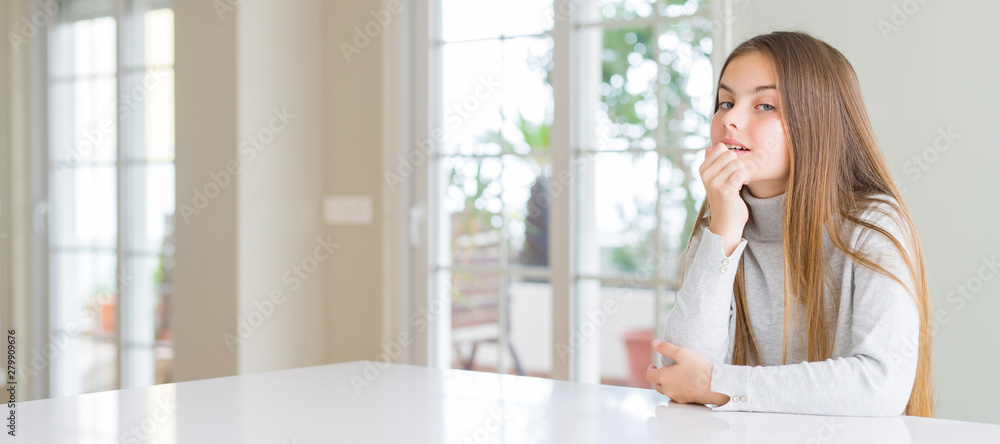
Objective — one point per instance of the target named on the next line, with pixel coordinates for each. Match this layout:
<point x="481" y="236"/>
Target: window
<point x="111" y="195"/>
<point x="638" y="114"/>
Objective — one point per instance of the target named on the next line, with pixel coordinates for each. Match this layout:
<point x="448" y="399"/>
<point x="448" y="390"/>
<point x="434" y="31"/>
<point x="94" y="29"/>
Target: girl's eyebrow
<point x="752" y="91"/>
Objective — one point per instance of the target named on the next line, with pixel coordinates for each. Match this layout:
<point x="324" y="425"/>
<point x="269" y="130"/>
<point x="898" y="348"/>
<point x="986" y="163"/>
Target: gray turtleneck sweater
<point x="876" y="329"/>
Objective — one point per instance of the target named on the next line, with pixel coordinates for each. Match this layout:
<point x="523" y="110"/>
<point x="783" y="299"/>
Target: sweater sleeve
<point x="700" y="317"/>
<point x="874" y="379"/>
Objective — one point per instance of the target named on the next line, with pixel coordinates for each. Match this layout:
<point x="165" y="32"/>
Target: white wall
<point x="938" y="70"/>
<point x="280" y="72"/>
<point x="249" y="91"/>
<point x="353" y="166"/>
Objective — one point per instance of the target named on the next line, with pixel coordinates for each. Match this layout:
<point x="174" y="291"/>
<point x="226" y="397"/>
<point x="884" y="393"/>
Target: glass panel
<point x="84" y="289"/>
<point x="624" y="204"/>
<point x="467" y="20"/>
<point x="84" y="207"/>
<point x="530" y="347"/>
<point x="472" y="207"/>
<point x="527" y="197"/>
<point x="623" y="98"/>
<point x="475" y="310"/>
<point x="159" y="123"/>
<point x="159" y="29"/>
<point x="151" y="206"/>
<point x="139" y="330"/>
<point x="84" y="365"/>
<point x="471" y="90"/>
<point x="618" y="9"/>
<point x="86" y="108"/>
<point x="523" y="17"/>
<point x="687" y="78"/>
<point x="94" y="50"/>
<point x="613" y="328"/>
<point x="679" y="8"/>
<point x="596" y="10"/>
<point x="527" y="97"/>
<point x="679" y="208"/>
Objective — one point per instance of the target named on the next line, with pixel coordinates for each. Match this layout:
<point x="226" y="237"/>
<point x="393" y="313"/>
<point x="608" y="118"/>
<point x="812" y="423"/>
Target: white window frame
<point x="410" y="81"/>
<point x="126" y="375"/>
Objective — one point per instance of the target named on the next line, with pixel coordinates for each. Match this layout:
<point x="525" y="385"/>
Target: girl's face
<point x="748" y="115"/>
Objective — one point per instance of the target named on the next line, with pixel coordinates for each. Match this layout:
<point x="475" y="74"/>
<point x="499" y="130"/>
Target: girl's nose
<point x="733" y="119"/>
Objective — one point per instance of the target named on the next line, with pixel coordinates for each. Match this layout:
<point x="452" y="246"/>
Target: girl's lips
<point x="733" y="142"/>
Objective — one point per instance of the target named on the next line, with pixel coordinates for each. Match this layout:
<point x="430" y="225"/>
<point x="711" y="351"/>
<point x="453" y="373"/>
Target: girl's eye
<point x="766" y="107"/>
<point x="725" y="105"/>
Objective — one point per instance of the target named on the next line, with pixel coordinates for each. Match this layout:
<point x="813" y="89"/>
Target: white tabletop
<point x="356" y="402"/>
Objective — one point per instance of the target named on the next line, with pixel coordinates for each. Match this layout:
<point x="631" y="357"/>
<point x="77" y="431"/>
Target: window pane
<point x="527" y="96"/>
<point x="624" y="97"/>
<point x="472" y="208"/>
<point x="679" y="207"/>
<point x="85" y="289"/>
<point x="94" y="47"/>
<point x="151" y="206"/>
<point x="527" y="196"/>
<point x="613" y="328"/>
<point x="471" y="90"/>
<point x="524" y="17"/>
<point x="159" y="124"/>
<point x="687" y="79"/>
<point x="83" y="128"/>
<point x="623" y="205"/>
<point x="139" y="332"/>
<point x="477" y="323"/>
<point x="159" y="30"/>
<point x="85" y="365"/>
<point x="84" y="207"/>
<point x="597" y="10"/>
<point x="467" y="20"/>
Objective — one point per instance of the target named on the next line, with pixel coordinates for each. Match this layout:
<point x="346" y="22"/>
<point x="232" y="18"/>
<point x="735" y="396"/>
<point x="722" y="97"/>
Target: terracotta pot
<point x="108" y="316"/>
<point x="639" y="347"/>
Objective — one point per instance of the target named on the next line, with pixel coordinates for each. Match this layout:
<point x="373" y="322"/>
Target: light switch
<point x="347" y="210"/>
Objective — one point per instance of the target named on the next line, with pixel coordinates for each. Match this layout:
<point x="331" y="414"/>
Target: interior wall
<point x="353" y="166"/>
<point x="928" y="69"/>
<point x="282" y="244"/>
<point x="207" y="133"/>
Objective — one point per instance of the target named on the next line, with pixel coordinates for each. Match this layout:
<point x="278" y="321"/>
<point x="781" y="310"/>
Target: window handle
<point x="40" y="218"/>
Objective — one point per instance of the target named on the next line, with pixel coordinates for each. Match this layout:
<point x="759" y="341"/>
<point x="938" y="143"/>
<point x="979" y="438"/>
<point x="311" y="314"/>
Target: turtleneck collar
<point x="766" y="217"/>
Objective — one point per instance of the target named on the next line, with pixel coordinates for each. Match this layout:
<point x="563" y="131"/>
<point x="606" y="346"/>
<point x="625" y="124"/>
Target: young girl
<point x="803" y="289"/>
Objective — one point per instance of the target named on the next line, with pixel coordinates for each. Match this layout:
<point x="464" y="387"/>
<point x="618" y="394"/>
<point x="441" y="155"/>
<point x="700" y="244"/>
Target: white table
<point x="417" y="404"/>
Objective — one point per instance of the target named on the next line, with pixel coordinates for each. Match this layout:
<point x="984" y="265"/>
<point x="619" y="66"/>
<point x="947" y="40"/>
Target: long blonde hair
<point x="836" y="169"/>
